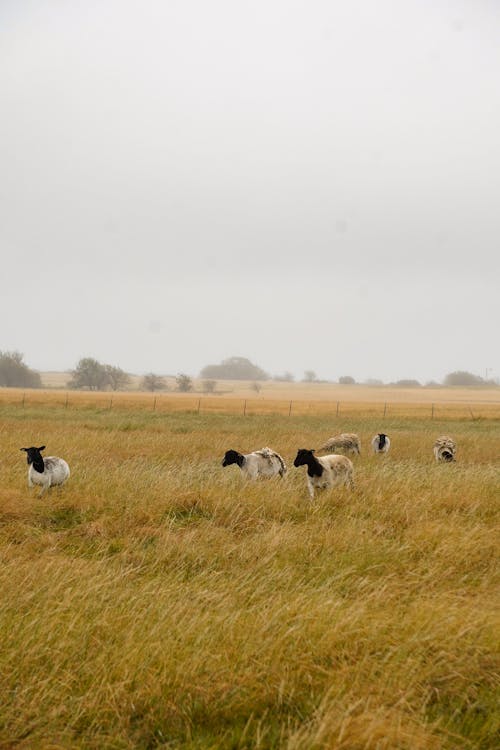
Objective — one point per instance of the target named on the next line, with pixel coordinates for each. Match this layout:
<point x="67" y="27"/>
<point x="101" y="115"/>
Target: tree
<point x="89" y="373"/>
<point x="14" y="373"/>
<point x="407" y="383"/>
<point x="287" y="377"/>
<point x="347" y="380"/>
<point x="234" y="368"/>
<point x="152" y="382"/>
<point x="184" y="383"/>
<point x="309" y="376"/>
<point x="461" y="377"/>
<point x="256" y="387"/>
<point x="209" y="386"/>
<point x="117" y="377"/>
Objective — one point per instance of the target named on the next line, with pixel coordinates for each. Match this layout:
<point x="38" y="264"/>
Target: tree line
<point x="90" y="374"/>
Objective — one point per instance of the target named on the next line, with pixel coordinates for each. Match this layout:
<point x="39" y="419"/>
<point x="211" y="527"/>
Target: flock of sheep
<point x="323" y="472"/>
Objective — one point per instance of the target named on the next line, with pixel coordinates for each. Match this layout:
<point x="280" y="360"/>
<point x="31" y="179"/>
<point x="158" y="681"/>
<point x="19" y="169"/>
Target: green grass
<point x="160" y="601"/>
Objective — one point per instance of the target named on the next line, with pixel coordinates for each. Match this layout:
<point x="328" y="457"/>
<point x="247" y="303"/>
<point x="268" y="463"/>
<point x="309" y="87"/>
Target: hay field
<point x="159" y="601"/>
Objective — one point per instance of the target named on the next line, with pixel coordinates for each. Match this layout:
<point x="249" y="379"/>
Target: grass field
<point x="160" y="601"/>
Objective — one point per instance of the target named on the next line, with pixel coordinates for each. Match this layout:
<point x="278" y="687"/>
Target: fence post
<point x="290" y="409"/>
<point x="337" y="412"/>
<point x="471" y="414"/>
<point x="111" y="402"/>
<point x="154" y="403"/>
<point x="432" y="412"/>
<point x="245" y="408"/>
<point x="385" y="408"/>
<point x="66" y="402"/>
<point x="199" y="404"/>
<point x="24" y="396"/>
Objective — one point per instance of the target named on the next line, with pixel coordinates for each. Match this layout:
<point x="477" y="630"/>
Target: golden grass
<point x="158" y="600"/>
<point x="297" y="399"/>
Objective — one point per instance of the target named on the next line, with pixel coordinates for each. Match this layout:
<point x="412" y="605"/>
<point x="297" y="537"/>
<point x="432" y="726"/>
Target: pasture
<point x="160" y="601"/>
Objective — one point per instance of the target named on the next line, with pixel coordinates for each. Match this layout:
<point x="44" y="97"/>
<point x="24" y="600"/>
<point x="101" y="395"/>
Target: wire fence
<point x="209" y="404"/>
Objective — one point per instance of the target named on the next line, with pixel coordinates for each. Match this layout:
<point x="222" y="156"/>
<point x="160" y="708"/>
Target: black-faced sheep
<point x="46" y="472"/>
<point x="381" y="443"/>
<point x="263" y="463"/>
<point x="445" y="449"/>
<point x="324" y="472"/>
<point x="347" y="442"/>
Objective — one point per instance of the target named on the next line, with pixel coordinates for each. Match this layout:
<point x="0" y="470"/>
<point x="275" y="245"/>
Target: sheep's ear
<point x="313" y="450"/>
<point x="23" y="449"/>
<point x="41" y="448"/>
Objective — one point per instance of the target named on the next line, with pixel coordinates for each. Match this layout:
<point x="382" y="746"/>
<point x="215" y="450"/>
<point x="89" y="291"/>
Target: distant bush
<point x="152" y="382"/>
<point x="184" y="383"/>
<point x="234" y="368"/>
<point x="407" y="384"/>
<point x="14" y="373"/>
<point x="347" y="380"/>
<point x="461" y="377"/>
<point x="117" y="378"/>
<point x="209" y="386"/>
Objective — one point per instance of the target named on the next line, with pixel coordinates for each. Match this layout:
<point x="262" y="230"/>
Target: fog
<point x="312" y="185"/>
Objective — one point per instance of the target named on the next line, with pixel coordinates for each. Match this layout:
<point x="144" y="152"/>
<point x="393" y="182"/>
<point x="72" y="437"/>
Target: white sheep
<point x="325" y="472"/>
<point x="346" y="442"/>
<point x="263" y="463"/>
<point x="46" y="472"/>
<point x="381" y="443"/>
<point x="445" y="448"/>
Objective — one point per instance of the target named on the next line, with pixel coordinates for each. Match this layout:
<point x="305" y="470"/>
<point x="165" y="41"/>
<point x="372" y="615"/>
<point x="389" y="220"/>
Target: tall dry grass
<point x="158" y="600"/>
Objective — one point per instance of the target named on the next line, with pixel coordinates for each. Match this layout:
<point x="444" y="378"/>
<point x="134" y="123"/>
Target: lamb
<point x="48" y="471"/>
<point x="445" y="449"/>
<point x="263" y="463"/>
<point x="325" y="472"/>
<point x="381" y="443"/>
<point x="347" y="442"/>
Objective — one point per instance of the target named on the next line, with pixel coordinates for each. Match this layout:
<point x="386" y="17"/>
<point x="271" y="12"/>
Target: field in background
<point x="159" y="601"/>
<point x="282" y="398"/>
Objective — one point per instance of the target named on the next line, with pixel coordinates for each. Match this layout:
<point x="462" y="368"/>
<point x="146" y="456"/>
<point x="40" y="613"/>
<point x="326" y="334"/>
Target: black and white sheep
<point x="347" y="442"/>
<point x="325" y="472"/>
<point x="381" y="443"/>
<point x="445" y="449"/>
<point x="263" y="463"/>
<point x="46" y="472"/>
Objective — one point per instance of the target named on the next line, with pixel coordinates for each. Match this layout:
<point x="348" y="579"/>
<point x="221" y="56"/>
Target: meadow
<point x="160" y="601"/>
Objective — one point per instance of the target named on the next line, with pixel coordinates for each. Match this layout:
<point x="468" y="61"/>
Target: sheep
<point x="325" y="472"/>
<point x="263" y="463"/>
<point x="346" y="442"/>
<point x="48" y="471"/>
<point x="445" y="449"/>
<point x="381" y="443"/>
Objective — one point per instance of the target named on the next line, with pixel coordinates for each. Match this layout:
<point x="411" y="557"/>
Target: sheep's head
<point x="232" y="457"/>
<point x="34" y="456"/>
<point x="304" y="456"/>
<point x="447" y="455"/>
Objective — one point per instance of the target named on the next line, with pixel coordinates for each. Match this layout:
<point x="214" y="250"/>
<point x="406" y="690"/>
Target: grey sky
<point x="313" y="185"/>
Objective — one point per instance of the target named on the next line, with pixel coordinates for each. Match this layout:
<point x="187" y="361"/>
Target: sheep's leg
<point x="310" y="487"/>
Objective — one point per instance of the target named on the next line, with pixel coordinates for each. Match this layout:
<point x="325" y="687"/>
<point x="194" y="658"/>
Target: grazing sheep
<point x="445" y="449"/>
<point x="45" y="471"/>
<point x="326" y="471"/>
<point x="347" y="442"/>
<point x="381" y="443"/>
<point x="263" y="463"/>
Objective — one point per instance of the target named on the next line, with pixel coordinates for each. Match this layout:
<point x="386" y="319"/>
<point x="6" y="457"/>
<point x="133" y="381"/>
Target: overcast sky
<point x="312" y="185"/>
